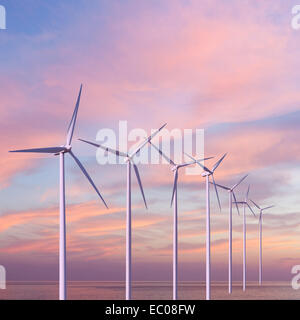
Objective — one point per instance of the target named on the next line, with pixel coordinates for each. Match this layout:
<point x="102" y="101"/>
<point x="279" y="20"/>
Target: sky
<point x="230" y="68"/>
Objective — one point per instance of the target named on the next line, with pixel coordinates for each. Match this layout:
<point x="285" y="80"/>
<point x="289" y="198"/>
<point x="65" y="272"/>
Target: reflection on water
<point x="147" y="291"/>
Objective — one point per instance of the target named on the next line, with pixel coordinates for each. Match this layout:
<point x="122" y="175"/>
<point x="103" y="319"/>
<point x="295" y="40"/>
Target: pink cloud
<point x="183" y="67"/>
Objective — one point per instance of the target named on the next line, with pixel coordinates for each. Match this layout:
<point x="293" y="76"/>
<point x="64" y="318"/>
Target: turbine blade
<point x="146" y="141"/>
<point x="235" y="201"/>
<point x="174" y="186"/>
<point x="222" y="187"/>
<point x="239" y="182"/>
<point x="186" y="164"/>
<point x="218" y="163"/>
<point x="116" y="152"/>
<point x="87" y="176"/>
<point x="268" y="207"/>
<point x="192" y="158"/>
<point x="73" y="120"/>
<point x="250" y="209"/>
<point x="200" y="164"/>
<point x="193" y="162"/>
<point x="140" y="183"/>
<point x="162" y="154"/>
<point x="256" y="205"/>
<point x="42" y="150"/>
<point x="247" y="194"/>
<point x="217" y="194"/>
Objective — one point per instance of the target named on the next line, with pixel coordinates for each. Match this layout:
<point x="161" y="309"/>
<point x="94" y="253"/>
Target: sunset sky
<point x="228" y="67"/>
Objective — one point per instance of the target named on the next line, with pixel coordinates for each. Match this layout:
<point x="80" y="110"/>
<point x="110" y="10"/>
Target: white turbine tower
<point x="129" y="160"/>
<point x="207" y="173"/>
<point x="245" y="203"/>
<point x="175" y="168"/>
<point x="260" y="239"/>
<point x="231" y="195"/>
<point x="61" y="151"/>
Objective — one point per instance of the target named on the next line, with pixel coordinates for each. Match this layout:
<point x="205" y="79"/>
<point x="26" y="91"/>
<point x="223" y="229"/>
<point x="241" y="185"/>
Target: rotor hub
<point x="205" y="174"/>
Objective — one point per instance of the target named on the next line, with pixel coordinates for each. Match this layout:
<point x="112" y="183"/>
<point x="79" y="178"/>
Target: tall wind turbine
<point x="207" y="173"/>
<point x="260" y="239"/>
<point x="175" y="168"/>
<point x="231" y="195"/>
<point x="128" y="158"/>
<point x="245" y="203"/>
<point x="61" y="151"/>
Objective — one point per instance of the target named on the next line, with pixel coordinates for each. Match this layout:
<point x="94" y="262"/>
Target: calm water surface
<point x="147" y="291"/>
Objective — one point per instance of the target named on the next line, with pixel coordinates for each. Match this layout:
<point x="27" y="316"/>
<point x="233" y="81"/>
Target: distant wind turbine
<point x="207" y="173"/>
<point x="61" y="151"/>
<point x="245" y="203"/>
<point x="260" y="238"/>
<point x="175" y="168"/>
<point x="129" y="160"/>
<point x="231" y="195"/>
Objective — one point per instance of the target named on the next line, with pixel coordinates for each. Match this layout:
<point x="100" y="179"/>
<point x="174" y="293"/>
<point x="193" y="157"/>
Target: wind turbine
<point x="207" y="173"/>
<point x="260" y="239"/>
<point x="128" y="158"/>
<point x="61" y="151"/>
<point x="231" y="195"/>
<point x="245" y="203"/>
<point x="175" y="168"/>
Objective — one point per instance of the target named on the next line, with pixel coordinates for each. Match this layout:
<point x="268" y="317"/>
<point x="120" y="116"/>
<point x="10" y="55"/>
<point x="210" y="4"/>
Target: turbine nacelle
<point x="127" y="159"/>
<point x="174" y="168"/>
<point x="66" y="149"/>
<point x="205" y="173"/>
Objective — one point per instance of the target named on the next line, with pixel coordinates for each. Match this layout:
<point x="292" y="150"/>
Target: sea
<point x="77" y="290"/>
